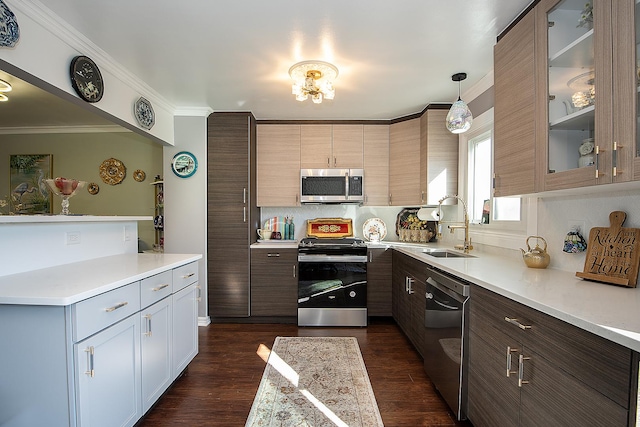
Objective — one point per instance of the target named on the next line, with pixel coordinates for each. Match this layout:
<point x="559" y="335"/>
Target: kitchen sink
<point x="440" y="253"/>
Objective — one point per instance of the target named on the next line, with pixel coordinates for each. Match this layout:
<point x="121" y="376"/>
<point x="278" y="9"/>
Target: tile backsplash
<point x="554" y="218"/>
<point x="359" y="214"/>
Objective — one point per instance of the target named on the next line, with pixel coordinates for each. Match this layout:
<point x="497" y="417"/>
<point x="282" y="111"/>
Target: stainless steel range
<point x="332" y="282"/>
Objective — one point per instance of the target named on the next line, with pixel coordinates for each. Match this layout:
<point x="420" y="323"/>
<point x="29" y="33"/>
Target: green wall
<point x="79" y="155"/>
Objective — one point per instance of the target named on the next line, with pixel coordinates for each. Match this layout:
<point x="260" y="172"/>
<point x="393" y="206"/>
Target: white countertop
<point x="70" y="283"/>
<point x="612" y="312"/>
<point x="32" y="219"/>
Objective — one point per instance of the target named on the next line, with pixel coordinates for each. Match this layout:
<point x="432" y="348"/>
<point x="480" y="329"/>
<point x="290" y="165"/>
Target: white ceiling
<point x="394" y="57"/>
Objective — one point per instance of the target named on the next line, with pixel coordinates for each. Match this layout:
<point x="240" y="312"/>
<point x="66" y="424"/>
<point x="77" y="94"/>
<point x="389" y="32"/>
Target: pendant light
<point x="459" y="119"/>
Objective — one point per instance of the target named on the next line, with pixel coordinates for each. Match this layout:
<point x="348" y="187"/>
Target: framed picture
<point x="29" y="193"/>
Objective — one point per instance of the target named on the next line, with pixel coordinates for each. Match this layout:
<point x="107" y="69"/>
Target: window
<point x="500" y="212"/>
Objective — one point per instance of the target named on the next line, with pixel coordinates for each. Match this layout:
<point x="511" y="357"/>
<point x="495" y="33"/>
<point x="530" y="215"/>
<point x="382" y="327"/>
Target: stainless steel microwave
<point x="331" y="185"/>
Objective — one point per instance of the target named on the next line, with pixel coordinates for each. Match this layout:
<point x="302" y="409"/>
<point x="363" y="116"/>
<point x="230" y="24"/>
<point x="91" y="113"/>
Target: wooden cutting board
<point x="613" y="253"/>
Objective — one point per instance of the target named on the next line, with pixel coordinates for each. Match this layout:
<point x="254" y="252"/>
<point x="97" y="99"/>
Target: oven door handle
<point x="331" y="258"/>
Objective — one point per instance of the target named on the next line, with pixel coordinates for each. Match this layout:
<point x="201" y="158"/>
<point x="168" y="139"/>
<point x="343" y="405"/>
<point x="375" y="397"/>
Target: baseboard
<point x="204" y="320"/>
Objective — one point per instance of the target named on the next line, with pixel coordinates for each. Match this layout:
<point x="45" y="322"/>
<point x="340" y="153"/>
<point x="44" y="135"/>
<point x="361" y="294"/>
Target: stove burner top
<point x="312" y="242"/>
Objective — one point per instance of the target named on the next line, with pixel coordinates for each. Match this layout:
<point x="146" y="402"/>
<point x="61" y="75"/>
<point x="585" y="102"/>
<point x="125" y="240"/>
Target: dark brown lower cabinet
<point x="274" y="282"/>
<point x="379" y="282"/>
<point x="530" y="369"/>
<point x="408" y="292"/>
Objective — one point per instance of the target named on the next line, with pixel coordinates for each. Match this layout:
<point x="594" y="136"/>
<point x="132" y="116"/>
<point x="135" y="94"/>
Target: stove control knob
<point x="352" y="294"/>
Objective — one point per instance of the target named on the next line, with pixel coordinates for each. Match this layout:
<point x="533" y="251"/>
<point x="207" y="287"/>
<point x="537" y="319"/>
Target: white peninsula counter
<point x="93" y="332"/>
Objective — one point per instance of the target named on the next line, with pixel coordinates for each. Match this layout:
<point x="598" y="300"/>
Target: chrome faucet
<point x="466" y="247"/>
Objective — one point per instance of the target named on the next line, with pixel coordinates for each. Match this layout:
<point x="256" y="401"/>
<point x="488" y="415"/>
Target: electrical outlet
<point x="576" y="225"/>
<point x="72" y="237"/>
<point x="126" y="234"/>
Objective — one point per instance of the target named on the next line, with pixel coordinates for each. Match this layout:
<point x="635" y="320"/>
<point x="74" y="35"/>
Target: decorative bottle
<point x="285" y="235"/>
<point x="292" y="234"/>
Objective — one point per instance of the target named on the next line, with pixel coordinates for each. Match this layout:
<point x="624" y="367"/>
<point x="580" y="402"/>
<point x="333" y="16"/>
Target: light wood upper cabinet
<point x="605" y="54"/>
<point x="423" y="160"/>
<point x="540" y="124"/>
<point x="439" y="151"/>
<point x="331" y="146"/>
<point x="404" y="163"/>
<point x="278" y="166"/>
<point x="348" y="146"/>
<point x="514" y="110"/>
<point x="376" y="165"/>
<point x="315" y="146"/>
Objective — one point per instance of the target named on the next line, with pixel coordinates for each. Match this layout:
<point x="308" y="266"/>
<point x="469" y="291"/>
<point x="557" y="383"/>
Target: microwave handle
<point x="346" y="184"/>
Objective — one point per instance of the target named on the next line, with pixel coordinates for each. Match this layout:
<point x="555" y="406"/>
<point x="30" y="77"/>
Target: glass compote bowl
<point x="65" y="188"/>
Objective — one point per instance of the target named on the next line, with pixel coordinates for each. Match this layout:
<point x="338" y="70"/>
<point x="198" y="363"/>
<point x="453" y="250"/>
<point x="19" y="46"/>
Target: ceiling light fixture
<point x="313" y="78"/>
<point x="4" y="87"/>
<point x="459" y="119"/>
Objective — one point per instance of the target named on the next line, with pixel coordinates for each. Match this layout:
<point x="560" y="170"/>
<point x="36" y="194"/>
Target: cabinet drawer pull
<point x="148" y="317"/>
<point x="115" y="307"/>
<point x="514" y="321"/>
<point x="294" y="271"/>
<point x="410" y="281"/>
<point x="186" y="276"/>
<point x="509" y="351"/>
<point x="272" y="255"/>
<point x="614" y="158"/>
<point x="89" y="352"/>
<point x="159" y="288"/>
<point x="521" y="380"/>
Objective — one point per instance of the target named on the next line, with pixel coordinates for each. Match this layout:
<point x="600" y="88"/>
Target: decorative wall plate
<point x="86" y="79"/>
<point x="374" y="225"/>
<point x="143" y="111"/>
<point x="184" y="164"/>
<point x="139" y="175"/>
<point x="9" y="30"/>
<point x="112" y="171"/>
<point x="93" y="188"/>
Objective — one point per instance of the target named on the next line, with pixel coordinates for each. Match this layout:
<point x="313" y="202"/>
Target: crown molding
<point x="193" y="111"/>
<point x="479" y="88"/>
<point x="62" y="129"/>
<point x="43" y="16"/>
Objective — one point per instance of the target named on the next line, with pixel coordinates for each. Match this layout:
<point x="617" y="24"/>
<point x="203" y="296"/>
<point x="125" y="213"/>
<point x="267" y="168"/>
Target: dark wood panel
<point x="218" y="388"/>
<point x="493" y="398"/>
<point x="231" y="213"/>
<point x="379" y="293"/>
<point x="604" y="365"/>
<point x="566" y="401"/>
<point x="274" y="282"/>
<point x="410" y="307"/>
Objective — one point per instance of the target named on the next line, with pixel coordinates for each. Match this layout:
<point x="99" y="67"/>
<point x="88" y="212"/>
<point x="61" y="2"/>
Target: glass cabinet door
<point x="572" y="87"/>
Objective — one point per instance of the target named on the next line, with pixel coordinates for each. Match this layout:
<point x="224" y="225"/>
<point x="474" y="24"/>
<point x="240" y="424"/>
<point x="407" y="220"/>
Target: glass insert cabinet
<point x="587" y="57"/>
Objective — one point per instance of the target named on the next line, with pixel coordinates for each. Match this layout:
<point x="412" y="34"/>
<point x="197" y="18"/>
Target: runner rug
<point x="314" y="382"/>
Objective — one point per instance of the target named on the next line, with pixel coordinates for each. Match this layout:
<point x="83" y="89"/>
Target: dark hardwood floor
<point x="219" y="386"/>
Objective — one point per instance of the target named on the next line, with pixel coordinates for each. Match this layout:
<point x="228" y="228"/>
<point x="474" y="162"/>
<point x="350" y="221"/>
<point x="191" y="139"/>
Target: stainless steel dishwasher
<point x="446" y="347"/>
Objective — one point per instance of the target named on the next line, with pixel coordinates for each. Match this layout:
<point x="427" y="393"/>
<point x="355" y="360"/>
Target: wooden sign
<point x="613" y="253"/>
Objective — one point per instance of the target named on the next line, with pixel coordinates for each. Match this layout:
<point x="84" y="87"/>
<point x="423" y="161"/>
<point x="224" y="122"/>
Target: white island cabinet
<point x="97" y="341"/>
